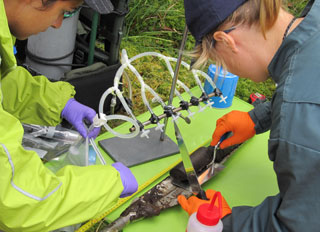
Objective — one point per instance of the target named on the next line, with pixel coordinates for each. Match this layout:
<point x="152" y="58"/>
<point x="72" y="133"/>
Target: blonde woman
<point x="257" y="39"/>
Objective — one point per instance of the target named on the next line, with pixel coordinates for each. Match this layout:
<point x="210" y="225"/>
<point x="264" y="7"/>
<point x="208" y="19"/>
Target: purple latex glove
<point x="75" y="112"/>
<point x="129" y="182"/>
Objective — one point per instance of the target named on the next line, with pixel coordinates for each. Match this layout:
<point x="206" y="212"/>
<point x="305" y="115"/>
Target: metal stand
<point x="139" y="150"/>
<point x="175" y="78"/>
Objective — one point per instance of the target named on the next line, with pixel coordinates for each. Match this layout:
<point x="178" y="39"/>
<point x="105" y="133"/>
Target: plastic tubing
<point x="113" y="104"/>
<point x="129" y="84"/>
<point x="126" y="63"/>
<point x="143" y="85"/>
<point x="124" y="118"/>
<point x="207" y="78"/>
<point x="167" y="61"/>
<point x="87" y="152"/>
<point x="196" y="77"/>
<point x="118" y="93"/>
<point x="121" y="117"/>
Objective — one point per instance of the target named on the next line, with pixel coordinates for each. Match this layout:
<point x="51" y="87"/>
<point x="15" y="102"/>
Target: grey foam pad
<point x="139" y="150"/>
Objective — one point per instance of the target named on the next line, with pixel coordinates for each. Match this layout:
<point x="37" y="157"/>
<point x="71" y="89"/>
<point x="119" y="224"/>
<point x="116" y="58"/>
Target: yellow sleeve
<point x="32" y="198"/>
<point x="34" y="99"/>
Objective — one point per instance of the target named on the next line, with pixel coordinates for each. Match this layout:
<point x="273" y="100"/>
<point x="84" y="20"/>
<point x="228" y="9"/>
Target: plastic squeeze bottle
<point x="207" y="218"/>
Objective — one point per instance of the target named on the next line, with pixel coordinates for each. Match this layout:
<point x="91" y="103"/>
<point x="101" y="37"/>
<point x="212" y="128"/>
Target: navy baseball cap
<point x="204" y="16"/>
<point x="101" y="6"/>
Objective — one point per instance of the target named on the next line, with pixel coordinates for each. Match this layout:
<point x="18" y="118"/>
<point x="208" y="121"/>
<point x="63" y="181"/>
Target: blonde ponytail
<point x="269" y="11"/>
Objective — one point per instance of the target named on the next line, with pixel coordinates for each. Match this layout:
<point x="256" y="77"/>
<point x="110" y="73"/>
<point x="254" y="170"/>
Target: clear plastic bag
<point x="84" y="152"/>
<point x="48" y="142"/>
<point x="79" y="154"/>
<point x="57" y="133"/>
<point x="59" y="146"/>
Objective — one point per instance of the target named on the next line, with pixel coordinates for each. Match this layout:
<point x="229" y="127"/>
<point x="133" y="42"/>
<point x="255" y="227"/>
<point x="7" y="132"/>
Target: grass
<point x="296" y="6"/>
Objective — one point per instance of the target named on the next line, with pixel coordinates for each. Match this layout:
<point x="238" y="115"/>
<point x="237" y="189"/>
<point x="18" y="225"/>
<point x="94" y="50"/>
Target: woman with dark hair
<point x="32" y="198"/>
<point x="257" y="39"/>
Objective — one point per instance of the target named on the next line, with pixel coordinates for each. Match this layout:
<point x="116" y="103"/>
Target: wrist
<point x="129" y="182"/>
<point x="251" y="121"/>
<point x="66" y="107"/>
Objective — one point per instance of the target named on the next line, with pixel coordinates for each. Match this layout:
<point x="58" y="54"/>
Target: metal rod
<point x="187" y="164"/>
<point x="175" y="77"/>
<point x="175" y="110"/>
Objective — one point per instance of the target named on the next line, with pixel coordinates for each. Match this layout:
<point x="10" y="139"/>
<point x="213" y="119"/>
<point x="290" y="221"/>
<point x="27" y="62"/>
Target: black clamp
<point x="184" y="105"/>
<point x="154" y="119"/>
<point x="168" y="110"/>
<point x="194" y="101"/>
<point x="141" y="126"/>
<point x="204" y="97"/>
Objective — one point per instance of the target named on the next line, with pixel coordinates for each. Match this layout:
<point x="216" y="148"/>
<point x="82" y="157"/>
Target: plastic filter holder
<point x="207" y="219"/>
<point x="226" y="82"/>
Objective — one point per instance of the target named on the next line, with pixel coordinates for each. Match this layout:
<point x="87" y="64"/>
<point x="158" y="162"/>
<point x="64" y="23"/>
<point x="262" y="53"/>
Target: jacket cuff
<point x="261" y="116"/>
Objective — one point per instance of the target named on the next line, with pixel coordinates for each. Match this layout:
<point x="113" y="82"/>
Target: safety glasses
<point x="69" y="14"/>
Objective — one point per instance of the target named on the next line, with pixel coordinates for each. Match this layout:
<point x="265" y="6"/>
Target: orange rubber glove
<point x="239" y="123"/>
<point x="192" y="204"/>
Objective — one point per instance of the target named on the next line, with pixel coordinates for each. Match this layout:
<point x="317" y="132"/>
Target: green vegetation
<point x="296" y="6"/>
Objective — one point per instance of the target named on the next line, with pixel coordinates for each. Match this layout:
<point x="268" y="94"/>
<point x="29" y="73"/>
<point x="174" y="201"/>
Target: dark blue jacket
<point x="293" y="117"/>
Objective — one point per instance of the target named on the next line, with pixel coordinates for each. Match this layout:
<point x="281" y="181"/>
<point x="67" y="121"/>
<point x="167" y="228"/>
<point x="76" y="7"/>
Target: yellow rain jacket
<point x="32" y="198"/>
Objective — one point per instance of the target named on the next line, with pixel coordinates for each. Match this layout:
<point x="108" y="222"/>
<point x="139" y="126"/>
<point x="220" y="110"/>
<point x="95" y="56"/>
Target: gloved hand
<point x="239" y="123"/>
<point x="192" y="204"/>
<point x="75" y="112"/>
<point x="129" y="182"/>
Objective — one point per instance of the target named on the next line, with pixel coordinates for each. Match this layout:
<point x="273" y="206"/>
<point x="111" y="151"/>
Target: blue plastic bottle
<point x="226" y="82"/>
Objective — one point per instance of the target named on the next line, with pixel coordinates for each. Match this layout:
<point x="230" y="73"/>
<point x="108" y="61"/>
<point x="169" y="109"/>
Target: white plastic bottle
<point x="207" y="218"/>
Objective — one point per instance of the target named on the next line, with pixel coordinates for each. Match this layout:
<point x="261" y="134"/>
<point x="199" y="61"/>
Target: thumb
<point x="233" y="140"/>
<point x="183" y="202"/>
<point x="227" y="143"/>
<point x="90" y="114"/>
<point x="94" y="133"/>
<point x="217" y="134"/>
<point x="81" y="129"/>
<point x="210" y="193"/>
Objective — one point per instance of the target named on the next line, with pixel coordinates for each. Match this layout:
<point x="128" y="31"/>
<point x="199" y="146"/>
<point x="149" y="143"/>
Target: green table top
<point x="246" y="180"/>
